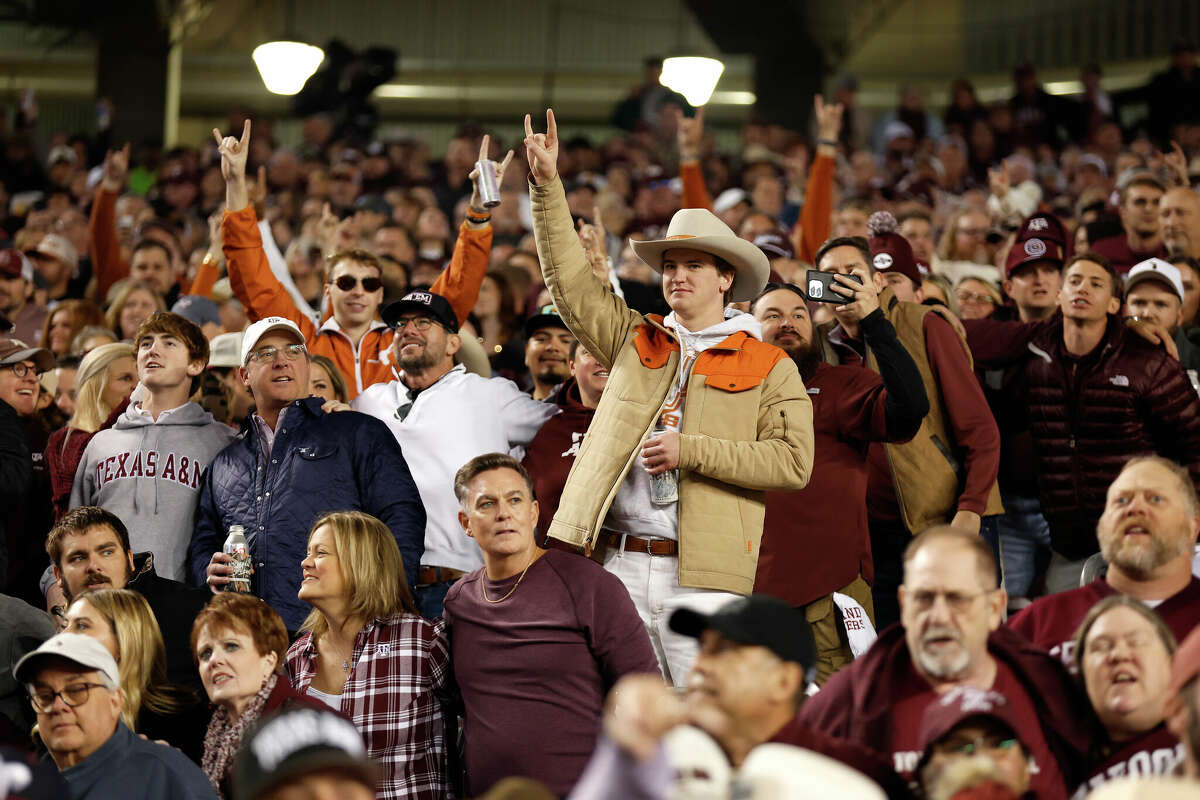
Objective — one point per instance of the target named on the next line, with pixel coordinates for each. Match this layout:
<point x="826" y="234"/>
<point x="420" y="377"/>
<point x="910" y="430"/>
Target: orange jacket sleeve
<point x="816" y="218"/>
<point x="695" y="193"/>
<point x="206" y="276"/>
<point x="103" y="244"/>
<point x="460" y="281"/>
<point x="250" y="275"/>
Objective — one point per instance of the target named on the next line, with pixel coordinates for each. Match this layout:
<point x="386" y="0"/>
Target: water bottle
<point x="486" y="183"/>
<point x="237" y="549"/>
<point x="664" y="487"/>
<point x="1195" y="379"/>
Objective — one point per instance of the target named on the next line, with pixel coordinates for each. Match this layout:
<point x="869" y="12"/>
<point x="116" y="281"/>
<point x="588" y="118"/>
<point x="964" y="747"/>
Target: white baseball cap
<point x="262" y="328"/>
<point x="224" y="350"/>
<point x="1155" y="269"/>
<point x="83" y="650"/>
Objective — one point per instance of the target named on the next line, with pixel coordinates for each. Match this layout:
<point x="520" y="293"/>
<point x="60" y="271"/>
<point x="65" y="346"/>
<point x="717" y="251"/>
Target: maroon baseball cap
<point x="14" y="351"/>
<point x="774" y="245"/>
<point x="1041" y="237"/>
<point x="891" y="252"/>
<point x="964" y="703"/>
<point x="14" y="264"/>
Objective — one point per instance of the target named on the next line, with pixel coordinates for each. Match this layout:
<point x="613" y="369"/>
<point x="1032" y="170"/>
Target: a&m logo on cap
<point x="420" y="297"/>
<point x="1039" y="224"/>
<point x="1035" y="247"/>
<point x="882" y="261"/>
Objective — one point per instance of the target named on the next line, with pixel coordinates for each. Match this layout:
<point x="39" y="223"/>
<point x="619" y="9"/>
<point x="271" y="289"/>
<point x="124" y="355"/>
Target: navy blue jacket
<point x="319" y="463"/>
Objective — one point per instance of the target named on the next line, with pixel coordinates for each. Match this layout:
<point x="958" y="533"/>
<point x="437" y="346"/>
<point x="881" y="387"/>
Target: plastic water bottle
<point x="664" y="487"/>
<point x="237" y="549"/>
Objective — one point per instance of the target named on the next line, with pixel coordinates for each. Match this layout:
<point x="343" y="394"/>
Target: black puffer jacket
<point x="1090" y="415"/>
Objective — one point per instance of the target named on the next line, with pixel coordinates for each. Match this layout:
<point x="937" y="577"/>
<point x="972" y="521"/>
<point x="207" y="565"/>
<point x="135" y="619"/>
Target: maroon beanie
<point x="891" y="252"/>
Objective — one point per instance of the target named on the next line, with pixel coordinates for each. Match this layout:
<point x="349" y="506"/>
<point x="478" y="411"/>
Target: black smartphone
<point x="818" y="287"/>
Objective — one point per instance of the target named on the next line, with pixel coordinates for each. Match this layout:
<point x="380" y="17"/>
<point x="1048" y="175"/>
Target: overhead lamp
<point x="285" y="65"/>
<point x="694" y="77"/>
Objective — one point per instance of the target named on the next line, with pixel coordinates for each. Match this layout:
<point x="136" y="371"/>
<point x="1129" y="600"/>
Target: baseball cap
<point x="262" y="328"/>
<point x="960" y="704"/>
<point x="431" y="305"/>
<point x="1041" y="237"/>
<point x="14" y="264"/>
<point x="1155" y="269"/>
<point x="759" y="620"/>
<point x="83" y="650"/>
<point x="545" y="317"/>
<point x="375" y="203"/>
<point x="60" y="153"/>
<point x="14" y="351"/>
<point x="774" y="245"/>
<point x="294" y="743"/>
<point x="197" y="309"/>
<point x="225" y="350"/>
<point x="1094" y="161"/>
<point x="775" y="771"/>
<point x="56" y="246"/>
<point x="728" y="199"/>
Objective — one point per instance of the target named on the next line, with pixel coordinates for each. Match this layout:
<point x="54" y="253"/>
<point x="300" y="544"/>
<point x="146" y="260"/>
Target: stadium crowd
<point x="864" y="457"/>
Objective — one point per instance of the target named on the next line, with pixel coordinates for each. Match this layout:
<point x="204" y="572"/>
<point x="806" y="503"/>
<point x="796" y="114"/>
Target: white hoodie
<point x="632" y="510"/>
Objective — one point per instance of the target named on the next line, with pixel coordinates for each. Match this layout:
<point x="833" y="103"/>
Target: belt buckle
<point x="650" y="548"/>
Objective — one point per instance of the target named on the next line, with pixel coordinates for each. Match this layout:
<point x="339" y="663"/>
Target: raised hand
<point x="234" y="153"/>
<point x="829" y="120"/>
<point x="116" y="169"/>
<point x="689" y="135"/>
<point x="595" y="247"/>
<point x="541" y="149"/>
<point x="476" y="204"/>
<point x="327" y="230"/>
<point x="999" y="181"/>
<point x="1177" y="163"/>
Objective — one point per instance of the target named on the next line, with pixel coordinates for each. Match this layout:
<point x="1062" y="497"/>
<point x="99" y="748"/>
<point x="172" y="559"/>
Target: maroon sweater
<point x="1116" y="249"/>
<point x="62" y="460"/>
<point x="533" y="668"/>
<point x="1050" y="622"/>
<point x="552" y="452"/>
<point x="852" y="406"/>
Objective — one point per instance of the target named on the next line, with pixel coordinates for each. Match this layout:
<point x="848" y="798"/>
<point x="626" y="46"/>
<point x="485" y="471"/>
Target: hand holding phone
<point x="819" y="287"/>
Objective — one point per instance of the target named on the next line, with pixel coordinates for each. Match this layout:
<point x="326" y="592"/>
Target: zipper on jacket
<point x="783" y="418"/>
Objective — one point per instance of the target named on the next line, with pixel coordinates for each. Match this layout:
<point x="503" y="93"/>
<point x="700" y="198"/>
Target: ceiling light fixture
<point x="694" y="77"/>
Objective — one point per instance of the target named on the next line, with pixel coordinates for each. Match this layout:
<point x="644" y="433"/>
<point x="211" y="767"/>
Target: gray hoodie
<point x="148" y="474"/>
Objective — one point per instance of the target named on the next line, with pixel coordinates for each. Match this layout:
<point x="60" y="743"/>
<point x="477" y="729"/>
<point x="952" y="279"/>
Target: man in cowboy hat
<point x="673" y="501"/>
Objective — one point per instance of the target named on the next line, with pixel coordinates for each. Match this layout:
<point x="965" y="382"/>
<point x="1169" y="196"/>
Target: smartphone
<point x="819" y="287"/>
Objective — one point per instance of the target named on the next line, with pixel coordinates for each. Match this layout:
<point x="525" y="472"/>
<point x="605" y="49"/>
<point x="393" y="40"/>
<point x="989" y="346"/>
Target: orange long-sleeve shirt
<point x="370" y="362"/>
<point x="103" y="244"/>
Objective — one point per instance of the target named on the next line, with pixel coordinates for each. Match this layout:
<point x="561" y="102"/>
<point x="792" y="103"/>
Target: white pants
<point x="653" y="583"/>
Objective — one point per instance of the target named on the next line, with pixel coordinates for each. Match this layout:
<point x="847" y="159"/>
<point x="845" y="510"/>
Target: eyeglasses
<point x="267" y="354"/>
<point x="422" y="324"/>
<point x="981" y="743"/>
<point x="21" y="369"/>
<point x="347" y="283"/>
<point x="74" y="695"/>
<point x="975" y="297"/>
<point x="924" y="600"/>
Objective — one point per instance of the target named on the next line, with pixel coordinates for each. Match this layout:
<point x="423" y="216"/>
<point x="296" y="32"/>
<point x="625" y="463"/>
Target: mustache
<point x="940" y="632"/>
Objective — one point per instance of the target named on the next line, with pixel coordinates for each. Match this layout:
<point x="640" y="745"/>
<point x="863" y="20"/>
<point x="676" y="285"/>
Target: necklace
<point x="483" y="578"/>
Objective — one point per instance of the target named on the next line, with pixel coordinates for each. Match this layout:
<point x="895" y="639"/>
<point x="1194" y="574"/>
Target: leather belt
<point x="430" y="575"/>
<point x="636" y="544"/>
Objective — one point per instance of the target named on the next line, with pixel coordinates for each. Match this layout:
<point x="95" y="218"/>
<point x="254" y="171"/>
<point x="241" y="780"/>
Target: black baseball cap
<point x="295" y="743"/>
<point x="431" y="305"/>
<point x="759" y="620"/>
<point x="545" y="317"/>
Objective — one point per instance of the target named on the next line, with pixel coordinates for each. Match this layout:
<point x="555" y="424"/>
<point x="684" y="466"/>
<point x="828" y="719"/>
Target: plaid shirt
<point x="399" y="664"/>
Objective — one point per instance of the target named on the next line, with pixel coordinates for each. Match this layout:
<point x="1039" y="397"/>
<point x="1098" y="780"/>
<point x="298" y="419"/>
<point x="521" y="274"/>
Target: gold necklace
<point x="483" y="578"/>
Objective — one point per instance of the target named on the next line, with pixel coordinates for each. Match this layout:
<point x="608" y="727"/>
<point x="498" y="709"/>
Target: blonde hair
<point x="92" y="378"/>
<point x="113" y="315"/>
<point x="141" y="654"/>
<point x="371" y="566"/>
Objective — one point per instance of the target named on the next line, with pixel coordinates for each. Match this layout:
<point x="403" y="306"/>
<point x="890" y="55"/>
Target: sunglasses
<point x="347" y="283"/>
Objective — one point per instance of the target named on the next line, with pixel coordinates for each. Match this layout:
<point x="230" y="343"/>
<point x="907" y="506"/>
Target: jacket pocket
<point x="317" y="452"/>
<point x="945" y="451"/>
<point x="732" y="383"/>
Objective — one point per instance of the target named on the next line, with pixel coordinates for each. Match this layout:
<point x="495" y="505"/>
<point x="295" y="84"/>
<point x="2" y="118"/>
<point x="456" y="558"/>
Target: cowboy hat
<point x="700" y="229"/>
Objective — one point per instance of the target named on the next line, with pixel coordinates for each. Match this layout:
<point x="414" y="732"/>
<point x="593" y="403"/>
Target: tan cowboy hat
<point x="700" y="229"/>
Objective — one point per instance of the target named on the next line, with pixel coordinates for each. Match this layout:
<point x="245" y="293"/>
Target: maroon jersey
<point x="1050" y="622"/>
<point x="908" y="709"/>
<point x="1155" y="752"/>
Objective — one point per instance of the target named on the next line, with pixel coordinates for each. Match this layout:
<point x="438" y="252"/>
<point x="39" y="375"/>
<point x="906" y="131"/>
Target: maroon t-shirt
<point x="829" y="516"/>
<point x="1046" y="781"/>
<point x="1050" y="622"/>
<point x="533" y="669"/>
<point x="1118" y="252"/>
<point x="1155" y="752"/>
